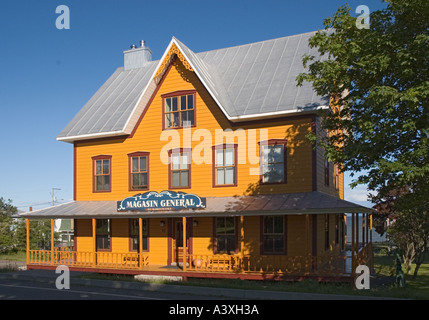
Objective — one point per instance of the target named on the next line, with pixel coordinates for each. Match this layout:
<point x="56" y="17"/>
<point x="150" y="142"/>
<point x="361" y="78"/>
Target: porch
<point x="313" y="245"/>
<point x="328" y="267"/>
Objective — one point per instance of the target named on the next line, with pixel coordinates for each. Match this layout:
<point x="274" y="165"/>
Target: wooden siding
<point x="83" y="235"/>
<point x="148" y="135"/>
<point x="333" y="247"/>
<point x="320" y="168"/>
<point x="298" y="233"/>
<point x="202" y="241"/>
<point x="158" y="241"/>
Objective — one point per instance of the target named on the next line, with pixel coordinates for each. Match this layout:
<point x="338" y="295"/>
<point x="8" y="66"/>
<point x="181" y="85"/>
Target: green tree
<point x="380" y="79"/>
<point x="6" y="225"/>
<point x="20" y="235"/>
<point x="410" y="228"/>
<point x="13" y="232"/>
<point x="386" y="208"/>
<point x="410" y="232"/>
<point x="40" y="234"/>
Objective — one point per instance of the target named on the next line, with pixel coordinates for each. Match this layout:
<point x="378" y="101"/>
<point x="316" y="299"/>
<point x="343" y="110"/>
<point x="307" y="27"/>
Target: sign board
<point x="165" y="200"/>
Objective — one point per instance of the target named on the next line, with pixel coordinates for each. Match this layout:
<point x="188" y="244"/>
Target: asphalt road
<point x="11" y="289"/>
<point x="37" y="287"/>
<point x="40" y="285"/>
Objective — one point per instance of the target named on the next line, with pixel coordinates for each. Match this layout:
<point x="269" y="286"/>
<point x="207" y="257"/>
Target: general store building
<point x="198" y="165"/>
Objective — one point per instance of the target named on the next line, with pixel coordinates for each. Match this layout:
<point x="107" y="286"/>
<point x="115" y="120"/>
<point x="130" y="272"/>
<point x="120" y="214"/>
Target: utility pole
<point x="53" y="195"/>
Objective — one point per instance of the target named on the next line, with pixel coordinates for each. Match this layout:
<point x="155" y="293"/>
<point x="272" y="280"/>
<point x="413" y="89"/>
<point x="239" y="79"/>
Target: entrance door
<point x="177" y="241"/>
<point x="175" y="255"/>
<point x="177" y="237"/>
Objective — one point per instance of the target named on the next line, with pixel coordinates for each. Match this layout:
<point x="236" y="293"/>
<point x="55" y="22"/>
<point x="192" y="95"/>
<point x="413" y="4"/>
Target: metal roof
<point x="260" y="78"/>
<point x="273" y="204"/>
<point x="109" y="110"/>
<point x="250" y="81"/>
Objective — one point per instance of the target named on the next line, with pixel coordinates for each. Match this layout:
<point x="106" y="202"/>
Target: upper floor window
<point x="326" y="171"/>
<point x="180" y="168"/>
<point x="179" y="109"/>
<point x="102" y="173"/>
<point x="225" y="165"/>
<point x="273" y="161"/>
<point x="139" y="170"/>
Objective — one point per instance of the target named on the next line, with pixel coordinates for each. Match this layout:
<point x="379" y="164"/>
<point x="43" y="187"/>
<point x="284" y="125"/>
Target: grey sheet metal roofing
<point x="250" y="81"/>
<point x="274" y="204"/>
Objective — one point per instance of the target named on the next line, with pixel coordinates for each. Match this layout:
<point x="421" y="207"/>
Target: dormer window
<point x="179" y="109"/>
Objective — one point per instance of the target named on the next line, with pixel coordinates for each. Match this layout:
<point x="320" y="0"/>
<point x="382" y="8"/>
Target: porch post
<point x="27" y="221"/>
<point x="307" y="224"/>
<point x="140" y="243"/>
<point x="307" y="244"/>
<point x="94" y="244"/>
<point x="363" y="229"/>
<point x="242" y="242"/>
<point x="185" y="248"/>
<point x="345" y="231"/>
<point x="370" y="240"/>
<point x="366" y="228"/>
<point x="370" y="227"/>
<point x="353" y="244"/>
<point x="52" y="242"/>
<point x="357" y="233"/>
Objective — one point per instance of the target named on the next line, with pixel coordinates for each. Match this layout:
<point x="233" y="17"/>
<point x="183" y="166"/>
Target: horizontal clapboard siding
<point x="209" y="118"/>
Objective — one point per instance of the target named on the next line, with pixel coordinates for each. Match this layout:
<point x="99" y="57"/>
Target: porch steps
<point x="150" y="277"/>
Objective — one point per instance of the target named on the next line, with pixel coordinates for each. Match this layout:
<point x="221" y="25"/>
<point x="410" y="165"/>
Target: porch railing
<point x="282" y="265"/>
<point x="84" y="259"/>
<point x="364" y="256"/>
<point x="329" y="265"/>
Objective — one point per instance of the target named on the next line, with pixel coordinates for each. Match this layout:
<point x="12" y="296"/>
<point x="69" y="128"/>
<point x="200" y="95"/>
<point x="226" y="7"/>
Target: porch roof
<point x="255" y="205"/>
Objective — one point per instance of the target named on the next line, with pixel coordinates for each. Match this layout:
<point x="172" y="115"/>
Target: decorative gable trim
<point x="174" y="51"/>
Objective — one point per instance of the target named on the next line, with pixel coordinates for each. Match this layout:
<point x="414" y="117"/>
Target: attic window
<point x="179" y="109"/>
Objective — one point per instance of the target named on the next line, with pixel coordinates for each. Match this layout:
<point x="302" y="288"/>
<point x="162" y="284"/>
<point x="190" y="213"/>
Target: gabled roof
<point x="252" y="81"/>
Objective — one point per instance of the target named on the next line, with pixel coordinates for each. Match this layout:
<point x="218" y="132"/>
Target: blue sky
<point x="48" y="74"/>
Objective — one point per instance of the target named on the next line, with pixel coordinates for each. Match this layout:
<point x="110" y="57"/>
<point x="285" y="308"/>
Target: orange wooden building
<point x="198" y="164"/>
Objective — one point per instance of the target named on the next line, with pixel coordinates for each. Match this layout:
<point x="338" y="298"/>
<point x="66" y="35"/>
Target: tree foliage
<point x="380" y="78"/>
<point x="13" y="234"/>
<point x="410" y="232"/>
<point x="386" y="209"/>
<point x="6" y="228"/>
<point x="410" y="228"/>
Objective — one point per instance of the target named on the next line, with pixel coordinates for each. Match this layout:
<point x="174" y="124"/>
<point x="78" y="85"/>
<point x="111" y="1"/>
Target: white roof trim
<point x="92" y="136"/>
<point x="275" y="114"/>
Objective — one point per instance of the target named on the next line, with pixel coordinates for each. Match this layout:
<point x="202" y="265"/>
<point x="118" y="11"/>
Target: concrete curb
<point x="50" y="277"/>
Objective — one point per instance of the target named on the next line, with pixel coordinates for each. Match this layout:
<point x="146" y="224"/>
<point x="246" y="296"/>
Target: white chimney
<point x="137" y="57"/>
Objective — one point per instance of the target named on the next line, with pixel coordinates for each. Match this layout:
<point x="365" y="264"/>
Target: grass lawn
<point x="16" y="256"/>
<point x="414" y="289"/>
